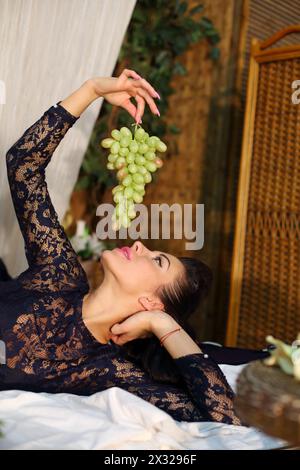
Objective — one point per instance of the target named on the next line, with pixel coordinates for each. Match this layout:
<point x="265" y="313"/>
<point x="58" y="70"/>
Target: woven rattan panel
<point x="270" y="292"/>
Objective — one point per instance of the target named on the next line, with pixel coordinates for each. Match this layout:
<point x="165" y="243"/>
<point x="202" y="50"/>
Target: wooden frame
<point x="258" y="55"/>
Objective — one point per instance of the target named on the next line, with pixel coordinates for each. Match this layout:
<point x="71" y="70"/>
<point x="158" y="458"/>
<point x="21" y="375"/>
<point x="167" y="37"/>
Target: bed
<point x="115" y="419"/>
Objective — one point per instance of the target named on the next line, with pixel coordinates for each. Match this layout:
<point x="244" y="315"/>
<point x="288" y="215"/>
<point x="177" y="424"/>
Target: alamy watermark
<point x="296" y="95"/>
<point x="2" y="352"/>
<point x="146" y="225"/>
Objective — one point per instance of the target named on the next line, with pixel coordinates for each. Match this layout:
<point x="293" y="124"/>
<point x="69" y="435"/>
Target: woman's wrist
<point x="78" y="101"/>
<point x="179" y="343"/>
<point x="162" y="323"/>
<point x="91" y="85"/>
<point x="102" y="85"/>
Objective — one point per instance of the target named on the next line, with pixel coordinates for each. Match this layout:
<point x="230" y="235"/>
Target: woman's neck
<point x="102" y="308"/>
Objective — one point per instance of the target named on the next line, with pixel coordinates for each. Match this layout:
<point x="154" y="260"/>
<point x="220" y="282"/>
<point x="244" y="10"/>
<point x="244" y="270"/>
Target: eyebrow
<point x="161" y="254"/>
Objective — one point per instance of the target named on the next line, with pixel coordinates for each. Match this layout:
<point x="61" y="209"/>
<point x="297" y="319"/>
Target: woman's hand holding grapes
<point x="119" y="90"/>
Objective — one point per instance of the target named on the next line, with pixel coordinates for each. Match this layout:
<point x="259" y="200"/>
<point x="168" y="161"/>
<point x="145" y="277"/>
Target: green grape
<point x="117" y="188"/>
<point x="126" y="132"/>
<point x="151" y="166"/>
<point x="140" y="160"/>
<point x="150" y="155"/>
<point x="138" y="178"/>
<point x="125" y="141"/>
<point x="118" y="196"/>
<point x="122" y="173"/>
<point x="138" y="187"/>
<point x="130" y="157"/>
<point x="133" y="146"/>
<point x="137" y="197"/>
<point x="130" y="203"/>
<point x="115" y="147"/>
<point x="120" y="162"/>
<point x="131" y="214"/>
<point x="119" y="210"/>
<point x="133" y="155"/>
<point x="143" y="148"/>
<point x="107" y="143"/>
<point x="139" y="134"/>
<point x="128" y="192"/>
<point x="132" y="168"/>
<point x="127" y="180"/>
<point x="142" y="170"/>
<point x="147" y="177"/>
<point x="112" y="157"/>
<point x="161" y="146"/>
<point x="124" y="151"/>
<point x="152" y="141"/>
<point x="125" y="221"/>
<point x="116" y="134"/>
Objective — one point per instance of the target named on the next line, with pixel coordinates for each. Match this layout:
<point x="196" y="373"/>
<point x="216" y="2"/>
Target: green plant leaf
<point x="197" y="9"/>
<point x="181" y="8"/>
<point x="174" y="129"/>
<point x="83" y="182"/>
<point x="179" y="69"/>
<point x="215" y="53"/>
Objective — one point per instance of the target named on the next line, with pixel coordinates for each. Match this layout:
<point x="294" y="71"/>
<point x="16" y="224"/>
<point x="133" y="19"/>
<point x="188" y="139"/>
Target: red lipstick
<point x="126" y="251"/>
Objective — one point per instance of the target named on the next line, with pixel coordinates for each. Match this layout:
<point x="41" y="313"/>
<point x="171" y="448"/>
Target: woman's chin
<point x="106" y="255"/>
<point x="111" y="260"/>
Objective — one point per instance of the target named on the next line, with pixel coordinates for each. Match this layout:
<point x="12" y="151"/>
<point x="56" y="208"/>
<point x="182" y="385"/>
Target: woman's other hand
<point x="140" y="325"/>
<point x="119" y="90"/>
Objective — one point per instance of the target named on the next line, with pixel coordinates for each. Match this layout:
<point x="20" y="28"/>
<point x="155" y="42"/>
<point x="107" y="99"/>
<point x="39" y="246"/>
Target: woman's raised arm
<point x="47" y="247"/>
<point x="118" y="91"/>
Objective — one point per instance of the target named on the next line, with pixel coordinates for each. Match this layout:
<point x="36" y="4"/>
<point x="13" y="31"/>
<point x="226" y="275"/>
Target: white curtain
<point x="48" y="48"/>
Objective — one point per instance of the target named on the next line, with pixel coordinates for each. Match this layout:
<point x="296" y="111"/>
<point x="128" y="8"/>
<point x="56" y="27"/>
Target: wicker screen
<point x="265" y="279"/>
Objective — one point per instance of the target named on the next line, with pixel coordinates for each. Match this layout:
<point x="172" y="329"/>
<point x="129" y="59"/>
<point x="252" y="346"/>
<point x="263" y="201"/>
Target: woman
<point x="61" y="337"/>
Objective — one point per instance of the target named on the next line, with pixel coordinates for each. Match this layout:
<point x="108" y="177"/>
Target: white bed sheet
<point x="114" y="419"/>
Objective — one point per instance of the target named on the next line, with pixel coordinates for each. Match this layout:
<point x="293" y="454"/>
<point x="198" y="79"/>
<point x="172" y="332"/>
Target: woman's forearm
<point x="80" y="99"/>
<point x="177" y="344"/>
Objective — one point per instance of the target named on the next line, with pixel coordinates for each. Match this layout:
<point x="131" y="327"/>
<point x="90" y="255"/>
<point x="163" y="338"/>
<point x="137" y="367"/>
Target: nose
<point x="139" y="248"/>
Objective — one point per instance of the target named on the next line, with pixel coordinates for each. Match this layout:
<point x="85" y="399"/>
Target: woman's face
<point x="139" y="271"/>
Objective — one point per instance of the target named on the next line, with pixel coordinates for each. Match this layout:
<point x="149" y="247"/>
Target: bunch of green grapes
<point x="133" y="156"/>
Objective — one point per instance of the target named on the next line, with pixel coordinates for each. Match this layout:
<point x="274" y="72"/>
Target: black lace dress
<point x="48" y="346"/>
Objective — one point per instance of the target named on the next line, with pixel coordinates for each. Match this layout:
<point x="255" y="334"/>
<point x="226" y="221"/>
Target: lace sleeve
<point x="208" y="387"/>
<point x="46" y="244"/>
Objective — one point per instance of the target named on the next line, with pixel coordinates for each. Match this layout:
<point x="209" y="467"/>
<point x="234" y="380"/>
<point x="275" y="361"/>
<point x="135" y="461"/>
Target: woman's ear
<point x="148" y="303"/>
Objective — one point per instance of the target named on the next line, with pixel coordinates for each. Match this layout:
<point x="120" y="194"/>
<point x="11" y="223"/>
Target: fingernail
<point x="158" y="113"/>
<point x="158" y="96"/>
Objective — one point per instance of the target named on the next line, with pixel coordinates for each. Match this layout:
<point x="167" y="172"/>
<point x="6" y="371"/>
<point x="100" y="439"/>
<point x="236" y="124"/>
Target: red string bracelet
<point x="162" y="339"/>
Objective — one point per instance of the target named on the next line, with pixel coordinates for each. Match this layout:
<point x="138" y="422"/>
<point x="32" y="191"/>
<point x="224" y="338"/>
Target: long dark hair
<point x="180" y="299"/>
